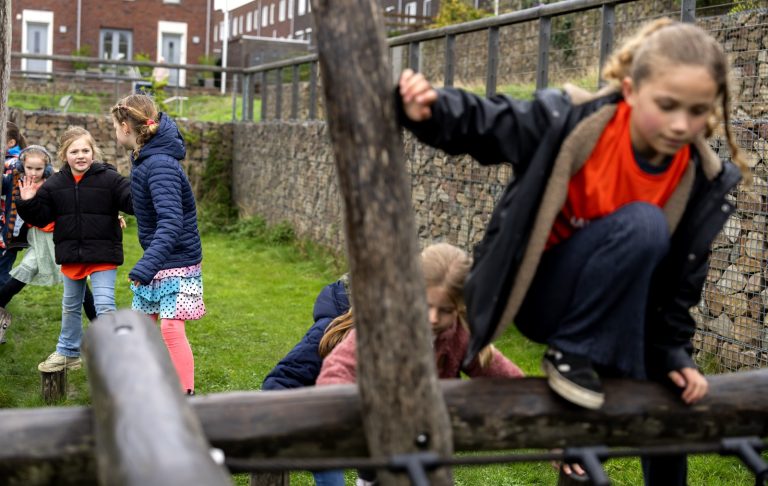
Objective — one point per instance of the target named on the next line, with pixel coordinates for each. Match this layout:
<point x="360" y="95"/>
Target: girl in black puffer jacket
<point x="83" y="199"/>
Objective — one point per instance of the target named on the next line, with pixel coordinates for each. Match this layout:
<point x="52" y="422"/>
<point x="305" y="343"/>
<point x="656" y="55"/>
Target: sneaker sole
<point x="71" y="367"/>
<point x="571" y="391"/>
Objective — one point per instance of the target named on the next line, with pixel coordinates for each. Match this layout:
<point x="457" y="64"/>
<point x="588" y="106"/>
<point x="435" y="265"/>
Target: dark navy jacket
<point x="164" y="205"/>
<point x="301" y="365"/>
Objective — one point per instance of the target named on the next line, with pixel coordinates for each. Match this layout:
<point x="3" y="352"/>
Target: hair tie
<point x="149" y="122"/>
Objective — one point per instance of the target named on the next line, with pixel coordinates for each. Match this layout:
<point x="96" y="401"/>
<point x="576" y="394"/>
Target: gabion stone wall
<point x="45" y="128"/>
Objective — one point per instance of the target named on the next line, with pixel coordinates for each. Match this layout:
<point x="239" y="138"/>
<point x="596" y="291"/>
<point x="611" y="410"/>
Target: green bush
<point x="84" y="51"/>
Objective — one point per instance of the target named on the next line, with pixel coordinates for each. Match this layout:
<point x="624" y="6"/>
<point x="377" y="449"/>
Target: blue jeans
<point x="103" y="288"/>
<point x="331" y="477"/>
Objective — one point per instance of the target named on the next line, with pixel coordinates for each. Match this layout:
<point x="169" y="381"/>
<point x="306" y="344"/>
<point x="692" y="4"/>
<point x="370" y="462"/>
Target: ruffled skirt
<point x="175" y="293"/>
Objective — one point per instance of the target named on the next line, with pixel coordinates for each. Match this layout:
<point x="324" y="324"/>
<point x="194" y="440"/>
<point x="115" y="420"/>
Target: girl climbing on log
<point x="167" y="280"/>
<point x="83" y="200"/>
<point x="599" y="245"/>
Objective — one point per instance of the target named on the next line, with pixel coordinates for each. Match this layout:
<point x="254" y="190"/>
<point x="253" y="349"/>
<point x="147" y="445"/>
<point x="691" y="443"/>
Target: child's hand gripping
<point x="418" y="95"/>
<point x="28" y="188"/>
<point x="693" y="383"/>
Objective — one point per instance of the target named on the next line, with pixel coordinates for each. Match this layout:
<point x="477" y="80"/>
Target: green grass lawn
<point x="259" y="297"/>
<point x="210" y="108"/>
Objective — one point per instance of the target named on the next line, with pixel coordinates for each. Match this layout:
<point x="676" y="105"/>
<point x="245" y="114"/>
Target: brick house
<point x="291" y="21"/>
<point x="177" y="30"/>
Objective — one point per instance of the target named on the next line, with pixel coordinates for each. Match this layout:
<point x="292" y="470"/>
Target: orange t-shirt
<point x="612" y="177"/>
<point x="78" y="271"/>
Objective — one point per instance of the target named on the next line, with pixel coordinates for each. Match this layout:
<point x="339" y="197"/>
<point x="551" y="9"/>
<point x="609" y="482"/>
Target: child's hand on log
<point x="418" y="95"/>
<point x="693" y="383"/>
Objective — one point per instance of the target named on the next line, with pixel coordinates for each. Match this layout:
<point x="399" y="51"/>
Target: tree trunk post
<point x="53" y="386"/>
<point x="5" y="61"/>
<point x="403" y="409"/>
<point x="145" y="429"/>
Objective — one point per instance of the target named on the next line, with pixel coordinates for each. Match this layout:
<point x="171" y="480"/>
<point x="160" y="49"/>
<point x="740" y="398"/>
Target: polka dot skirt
<point x="175" y="293"/>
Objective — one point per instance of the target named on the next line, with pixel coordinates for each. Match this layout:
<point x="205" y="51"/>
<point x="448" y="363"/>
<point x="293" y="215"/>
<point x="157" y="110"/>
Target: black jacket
<point x="87" y="229"/>
<point x="530" y="136"/>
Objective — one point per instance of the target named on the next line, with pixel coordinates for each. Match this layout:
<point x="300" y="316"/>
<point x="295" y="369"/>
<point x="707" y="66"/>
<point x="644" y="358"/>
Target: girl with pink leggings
<point x="167" y="281"/>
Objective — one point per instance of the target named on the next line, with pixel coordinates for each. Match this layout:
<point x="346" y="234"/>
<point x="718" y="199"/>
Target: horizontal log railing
<point x="486" y="414"/>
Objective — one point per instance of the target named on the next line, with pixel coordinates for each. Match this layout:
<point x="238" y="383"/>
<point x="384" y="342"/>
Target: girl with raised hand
<point x="167" y="280"/>
<point x="83" y="199"/>
<point x="599" y="246"/>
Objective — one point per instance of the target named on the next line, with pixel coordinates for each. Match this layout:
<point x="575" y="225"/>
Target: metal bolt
<point x="422" y="440"/>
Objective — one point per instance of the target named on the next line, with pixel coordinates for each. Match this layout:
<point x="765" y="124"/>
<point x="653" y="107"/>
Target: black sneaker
<point x="572" y="377"/>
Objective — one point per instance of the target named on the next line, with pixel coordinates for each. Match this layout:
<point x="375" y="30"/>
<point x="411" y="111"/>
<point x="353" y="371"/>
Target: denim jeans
<point x="331" y="477"/>
<point x="103" y="288"/>
<point x="589" y="293"/>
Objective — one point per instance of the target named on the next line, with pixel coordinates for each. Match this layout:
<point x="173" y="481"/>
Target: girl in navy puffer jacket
<point x="167" y="280"/>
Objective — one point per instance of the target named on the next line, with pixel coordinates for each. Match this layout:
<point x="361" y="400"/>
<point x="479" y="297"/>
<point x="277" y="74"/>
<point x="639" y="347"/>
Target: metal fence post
<point x="295" y="92"/>
<point x="413" y="55"/>
<point x="264" y="89"/>
<point x="688" y="11"/>
<point x="279" y="95"/>
<point x="247" y="102"/>
<point x="313" y="90"/>
<point x="493" y="61"/>
<point x="542" y="68"/>
<point x="450" y="59"/>
<point x="606" y="38"/>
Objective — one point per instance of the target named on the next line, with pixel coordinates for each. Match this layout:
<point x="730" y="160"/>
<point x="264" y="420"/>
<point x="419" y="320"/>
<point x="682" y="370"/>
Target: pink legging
<point x="178" y="346"/>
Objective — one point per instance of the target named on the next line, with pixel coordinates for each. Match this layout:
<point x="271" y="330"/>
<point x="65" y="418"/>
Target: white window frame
<point x="427" y="7"/>
<point x="249" y="22"/>
<point x="271" y="14"/>
<point x="410" y="10"/>
<point x="166" y="27"/>
<point x="290" y="9"/>
<point x="265" y="15"/>
<point x="37" y="17"/>
<point x="281" y="11"/>
<point x="302" y="7"/>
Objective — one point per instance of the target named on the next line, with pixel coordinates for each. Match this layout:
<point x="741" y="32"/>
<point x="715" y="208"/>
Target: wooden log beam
<point x="146" y="432"/>
<point x="58" y="443"/>
<point x="404" y="411"/>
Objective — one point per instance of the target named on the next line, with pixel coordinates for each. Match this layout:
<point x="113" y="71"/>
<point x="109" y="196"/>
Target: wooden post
<point x="146" y="432"/>
<point x="54" y="386"/>
<point x="5" y="62"/>
<point x="403" y="408"/>
<point x="270" y="479"/>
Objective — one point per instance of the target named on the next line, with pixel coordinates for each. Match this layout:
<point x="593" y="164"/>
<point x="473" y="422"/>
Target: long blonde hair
<point x="665" y="42"/>
<point x="444" y="266"/>
<point x="69" y="136"/>
<point x="140" y="113"/>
